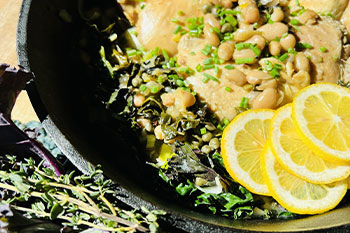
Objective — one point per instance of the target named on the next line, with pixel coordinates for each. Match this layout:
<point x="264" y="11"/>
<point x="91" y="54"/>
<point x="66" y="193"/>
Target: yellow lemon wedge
<point x="321" y="114"/>
<point x="241" y="145"/>
<point x="297" y="195"/>
<point x="296" y="157"/>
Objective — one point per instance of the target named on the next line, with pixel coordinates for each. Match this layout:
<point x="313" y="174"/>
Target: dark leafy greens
<point x="187" y="153"/>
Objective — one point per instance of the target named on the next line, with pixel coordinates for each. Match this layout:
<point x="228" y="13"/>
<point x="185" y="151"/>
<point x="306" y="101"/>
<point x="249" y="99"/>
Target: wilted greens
<point x="183" y="142"/>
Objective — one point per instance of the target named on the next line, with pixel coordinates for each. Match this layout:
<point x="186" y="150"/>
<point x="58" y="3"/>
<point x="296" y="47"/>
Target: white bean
<point x="236" y="76"/>
<point x="277" y="15"/>
<point x="302" y="63"/>
<point x="226" y="50"/>
<point x="273" y="31"/>
<point x="288" y="42"/>
<point x="266" y="99"/>
<point x="275" y="48"/>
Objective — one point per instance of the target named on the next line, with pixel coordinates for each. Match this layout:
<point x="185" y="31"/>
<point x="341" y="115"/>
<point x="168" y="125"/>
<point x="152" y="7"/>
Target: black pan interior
<point x="48" y="46"/>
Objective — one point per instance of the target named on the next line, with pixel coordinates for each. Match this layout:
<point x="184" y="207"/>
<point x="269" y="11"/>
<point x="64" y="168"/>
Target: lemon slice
<point x="321" y="114"/>
<point x="297" y="195"/>
<point x="241" y="145"/>
<point x="294" y="155"/>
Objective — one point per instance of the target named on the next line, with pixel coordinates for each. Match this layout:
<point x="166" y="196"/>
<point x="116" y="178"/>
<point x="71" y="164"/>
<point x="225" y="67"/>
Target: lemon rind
<point x="292" y="204"/>
<point x="328" y="176"/>
<point x="237" y="173"/>
<point x="326" y="153"/>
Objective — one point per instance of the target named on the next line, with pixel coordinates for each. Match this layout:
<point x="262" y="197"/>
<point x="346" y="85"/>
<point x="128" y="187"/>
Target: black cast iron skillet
<point x="46" y="47"/>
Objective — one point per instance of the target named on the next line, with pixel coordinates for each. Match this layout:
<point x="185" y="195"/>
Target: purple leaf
<point x="14" y="141"/>
<point x="12" y="82"/>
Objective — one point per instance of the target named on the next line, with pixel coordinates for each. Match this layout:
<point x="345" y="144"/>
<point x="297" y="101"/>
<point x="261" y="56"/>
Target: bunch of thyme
<point x="77" y="201"/>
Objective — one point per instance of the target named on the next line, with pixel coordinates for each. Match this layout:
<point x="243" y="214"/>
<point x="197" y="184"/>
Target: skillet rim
<point x="180" y="219"/>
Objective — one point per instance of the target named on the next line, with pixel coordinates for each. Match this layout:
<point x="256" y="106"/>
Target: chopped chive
<point x="295" y="22"/>
<point x="292" y="51"/>
<point x="229" y="67"/>
<point x="244" y="103"/>
<point x="199" y="68"/>
<point x="205" y="79"/>
<point x="210" y="77"/>
<point x="242" y="45"/>
<point x="143" y="87"/>
<point x="208" y="61"/>
<point x="179" y="82"/>
<point x="285" y="35"/>
<point x="207" y="50"/>
<point x="228" y="89"/>
<point x="323" y="49"/>
<point x="203" y="130"/>
<point x="304" y="45"/>
<point x="177" y="29"/>
<point x="274" y="73"/>
<point x="249" y="60"/>
<point x="165" y="54"/>
<point x="181" y="13"/>
<point x="231" y="20"/>
<point x="154" y="89"/>
<point x="231" y="12"/>
<point x="256" y="50"/>
<point x="283" y="57"/>
<point x="208" y="67"/>
<point x="217" y="70"/>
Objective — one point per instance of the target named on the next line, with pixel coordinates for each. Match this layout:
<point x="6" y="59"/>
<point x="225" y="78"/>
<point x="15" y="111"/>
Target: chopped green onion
<point x="244" y="103"/>
<point x="304" y="46"/>
<point x="208" y="67"/>
<point x="143" y="87"/>
<point x="160" y="79"/>
<point x="242" y="45"/>
<point x="229" y="67"/>
<point x="165" y="54"/>
<point x="323" y="49"/>
<point x="181" y="13"/>
<point x="228" y="89"/>
<point x="274" y="73"/>
<point x="231" y="20"/>
<point x="199" y="68"/>
<point x="207" y="50"/>
<point x="177" y="29"/>
<point x="203" y="130"/>
<point x="208" y="61"/>
<point x="295" y="22"/>
<point x="284" y="57"/>
<point x="256" y="50"/>
<point x="292" y="51"/>
<point x="154" y="89"/>
<point x="210" y="77"/>
<point x="179" y="82"/>
<point x="205" y="79"/>
<point x="231" y="12"/>
<point x="248" y="60"/>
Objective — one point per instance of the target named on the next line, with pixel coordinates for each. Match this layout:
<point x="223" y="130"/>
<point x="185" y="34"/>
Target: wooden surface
<point x="9" y="12"/>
